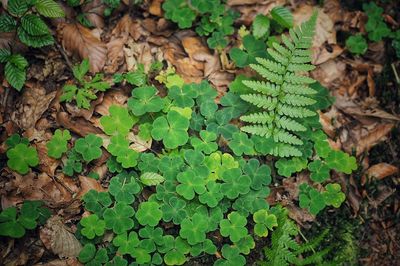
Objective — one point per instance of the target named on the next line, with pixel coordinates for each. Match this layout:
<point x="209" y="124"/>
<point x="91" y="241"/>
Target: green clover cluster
<point x="20" y="155"/>
<point x="14" y="222"/>
<point x="212" y="18"/>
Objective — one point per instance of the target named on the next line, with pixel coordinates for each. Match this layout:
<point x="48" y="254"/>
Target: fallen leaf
<point x="138" y="144"/>
<point x="111" y="97"/>
<point x="77" y="39"/>
<point x="155" y="8"/>
<point x="94" y="12"/>
<point x="46" y="163"/>
<point x="88" y="183"/>
<point x="115" y="54"/>
<point x="33" y="104"/>
<point x="127" y="25"/>
<point x="328" y="72"/>
<point x="382" y="170"/>
<point x="59" y="239"/>
<point x="374" y="137"/>
<point x="325" y="53"/>
<point x="61" y="262"/>
<point x="79" y="126"/>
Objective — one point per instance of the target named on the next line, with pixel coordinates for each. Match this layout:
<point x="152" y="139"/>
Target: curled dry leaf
<point x="94" y="12"/>
<point x="77" y="39"/>
<point x="59" y="239"/>
<point x="61" y="262"/>
<point x="115" y="54"/>
<point x="325" y="53"/>
<point x="138" y="53"/>
<point x="328" y="72"/>
<point x="130" y="26"/>
<point x="382" y="170"/>
<point x="111" y="97"/>
<point x="375" y="136"/>
<point x="33" y="104"/>
<point x="79" y="126"/>
<point x="46" y="164"/>
<point x="155" y="8"/>
<point x="138" y="144"/>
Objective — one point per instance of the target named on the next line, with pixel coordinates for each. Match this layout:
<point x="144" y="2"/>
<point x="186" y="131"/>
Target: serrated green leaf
<point x="261" y="26"/>
<point x="15" y="76"/>
<point x="34" y="25"/>
<point x="17" y="7"/>
<point x="151" y="179"/>
<point x="49" y="8"/>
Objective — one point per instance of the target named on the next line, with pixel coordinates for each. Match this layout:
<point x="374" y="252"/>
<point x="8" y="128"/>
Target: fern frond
<point x="262" y="101"/>
<point x="266" y="88"/>
<point x="258" y="118"/>
<point x="260" y="130"/>
<point x="284" y="122"/>
<point x="297" y="100"/>
<point x="294" y="112"/>
<point x="297" y="89"/>
<point x="267" y="74"/>
<point x="271" y="65"/>
<point x="285" y="137"/>
<point x="282" y="97"/>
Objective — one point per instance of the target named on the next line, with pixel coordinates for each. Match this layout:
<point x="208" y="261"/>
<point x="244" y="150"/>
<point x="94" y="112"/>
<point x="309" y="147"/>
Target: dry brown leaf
<point x="79" y="126"/>
<point x="115" y="54"/>
<point x="250" y="10"/>
<point x="374" y="137"/>
<point x="111" y="97"/>
<point x="46" y="164"/>
<point x="127" y="25"/>
<point x="155" y="8"/>
<point x="94" y="12"/>
<point x="382" y="170"/>
<point x="61" y="262"/>
<point x="138" y="53"/>
<point x="59" y="239"/>
<point x="329" y="72"/>
<point x="323" y="54"/>
<point x="33" y="104"/>
<point x="87" y="184"/>
<point x="211" y="62"/>
<point x="77" y="39"/>
<point x="138" y="144"/>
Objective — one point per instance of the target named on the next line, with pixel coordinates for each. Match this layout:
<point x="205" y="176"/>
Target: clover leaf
<point x="213" y="195"/>
<point x="89" y="147"/>
<point x="114" y="166"/>
<point x="9" y="225"/>
<point x="234" y="106"/>
<point x="206" y="144"/>
<point x="15" y="139"/>
<point x="170" y="166"/>
<point x="118" y="122"/>
<point x="319" y="171"/>
<point x="357" y="44"/>
<point x="245" y="244"/>
<point x="232" y="256"/>
<point x="194" y="229"/>
<point x="207" y="246"/>
<point x="322" y="148"/>
<point x="190" y="183"/>
<point x="251" y="202"/>
<point x="333" y="195"/>
<point x="260" y="175"/>
<point x="235" y="183"/>
<point x="21" y="157"/>
<point x="286" y="167"/>
<point x="141" y="256"/>
<point x="175" y="250"/>
<point x="151" y="237"/>
<point x="89" y="256"/>
<point x="208" y="109"/>
<point x="341" y="161"/>
<point x="118" y="145"/>
<point x="128" y="158"/>
<point x="171" y="129"/>
<point x="219" y="163"/>
<point x="126" y="243"/>
<point x="149" y="213"/>
<point x="119" y="218"/>
<point x="234" y="226"/>
<point x="92" y="226"/>
<point x="96" y="201"/>
<point x="241" y="144"/>
<point x="264" y="222"/>
<point x="148" y="162"/>
<point x="174" y="210"/>
<point x="124" y="187"/>
<point x="58" y="143"/>
<point x="252" y="48"/>
<point x="183" y="96"/>
<point x="311" y="199"/>
<point x="117" y="261"/>
<point x="145" y="100"/>
<point x="183" y="15"/>
<point x="166" y="190"/>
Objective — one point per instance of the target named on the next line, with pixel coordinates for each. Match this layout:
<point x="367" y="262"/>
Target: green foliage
<point x="149" y="213"/>
<point x="89" y="147"/>
<point x="24" y="18"/>
<point x="234" y="227"/>
<point x="375" y="26"/>
<point x="357" y="44"/>
<point x="119" y="218"/>
<point x="277" y="118"/>
<point x="252" y="49"/>
<point x="15" y="68"/>
<point x="145" y="100"/>
<point x="172" y="129"/>
<point x="284" y="249"/>
<point x="58" y="143"/>
<point x="118" y="122"/>
<point x="194" y="229"/>
<point x="264" y="222"/>
<point x="261" y="26"/>
<point x="91" y="257"/>
<point x="282" y="16"/>
<point x="212" y="18"/>
<point x="87" y="89"/>
<point x="20" y="156"/>
<point x="92" y="226"/>
<point x="14" y="222"/>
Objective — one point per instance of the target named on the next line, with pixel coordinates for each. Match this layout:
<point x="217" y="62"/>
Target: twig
<point x="61" y="50"/>
<point x="395" y="73"/>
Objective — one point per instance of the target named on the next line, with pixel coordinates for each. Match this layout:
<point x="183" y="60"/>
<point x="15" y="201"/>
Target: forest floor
<point x="363" y="121"/>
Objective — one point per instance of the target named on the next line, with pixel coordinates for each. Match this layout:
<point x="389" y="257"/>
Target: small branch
<point x="61" y="50"/>
<point x="395" y="73"/>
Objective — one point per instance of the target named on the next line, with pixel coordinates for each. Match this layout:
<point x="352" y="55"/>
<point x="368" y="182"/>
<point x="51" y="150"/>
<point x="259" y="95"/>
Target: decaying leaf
<point x="94" y="12"/>
<point x="382" y="170"/>
<point x="77" y="39"/>
<point x="33" y="104"/>
<point x="87" y="184"/>
<point x="59" y="239"/>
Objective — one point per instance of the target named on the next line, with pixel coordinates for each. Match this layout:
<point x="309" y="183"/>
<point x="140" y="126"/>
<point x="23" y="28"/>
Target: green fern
<point x="283" y="96"/>
<point x="285" y="250"/>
